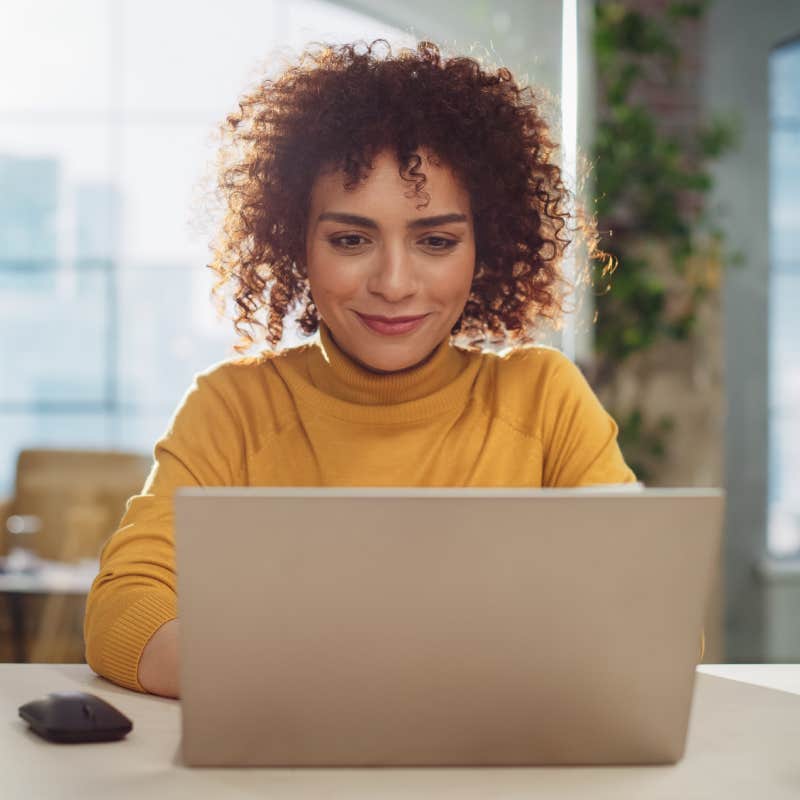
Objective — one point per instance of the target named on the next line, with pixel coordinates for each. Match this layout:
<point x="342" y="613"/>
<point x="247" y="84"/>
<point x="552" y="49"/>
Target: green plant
<point x="665" y="250"/>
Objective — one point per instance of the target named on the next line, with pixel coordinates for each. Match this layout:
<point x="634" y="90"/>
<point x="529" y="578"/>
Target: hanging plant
<point x="666" y="249"/>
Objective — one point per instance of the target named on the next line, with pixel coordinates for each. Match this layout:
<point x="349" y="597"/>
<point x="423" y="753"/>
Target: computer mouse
<point x="75" y="717"/>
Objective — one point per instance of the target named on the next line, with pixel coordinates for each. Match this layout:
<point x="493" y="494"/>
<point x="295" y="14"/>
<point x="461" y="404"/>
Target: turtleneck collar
<point x="335" y="373"/>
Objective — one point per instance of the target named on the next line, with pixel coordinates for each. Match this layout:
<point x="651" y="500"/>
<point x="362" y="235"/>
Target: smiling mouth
<point x="391" y="326"/>
<point x="390" y="320"/>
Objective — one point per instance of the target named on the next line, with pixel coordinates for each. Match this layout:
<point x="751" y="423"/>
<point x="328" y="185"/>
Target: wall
<point x="740" y="36"/>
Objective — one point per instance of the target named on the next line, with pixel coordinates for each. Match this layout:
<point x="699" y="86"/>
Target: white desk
<point x="744" y="742"/>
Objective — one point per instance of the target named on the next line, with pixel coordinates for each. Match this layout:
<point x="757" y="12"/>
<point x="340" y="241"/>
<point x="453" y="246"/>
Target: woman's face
<point x="374" y="260"/>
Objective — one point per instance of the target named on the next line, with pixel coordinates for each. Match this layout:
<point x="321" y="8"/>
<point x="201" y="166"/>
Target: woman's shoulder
<point x="241" y="374"/>
<point x="528" y="366"/>
<point x="531" y="360"/>
<point x="527" y="384"/>
<point x="247" y="389"/>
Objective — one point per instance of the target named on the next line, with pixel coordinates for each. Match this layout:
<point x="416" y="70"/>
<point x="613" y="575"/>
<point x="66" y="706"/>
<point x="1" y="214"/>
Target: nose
<point x="394" y="277"/>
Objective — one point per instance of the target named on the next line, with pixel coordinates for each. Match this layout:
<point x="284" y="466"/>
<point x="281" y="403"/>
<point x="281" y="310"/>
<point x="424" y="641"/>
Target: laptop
<point x="441" y="627"/>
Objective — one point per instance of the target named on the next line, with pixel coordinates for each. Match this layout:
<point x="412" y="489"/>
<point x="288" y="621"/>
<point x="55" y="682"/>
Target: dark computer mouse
<point x="75" y="717"/>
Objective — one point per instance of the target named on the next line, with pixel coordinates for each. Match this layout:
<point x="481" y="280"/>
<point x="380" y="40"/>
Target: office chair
<point x="65" y="504"/>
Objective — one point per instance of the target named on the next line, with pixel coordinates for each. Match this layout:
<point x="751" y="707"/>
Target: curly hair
<point x="341" y="105"/>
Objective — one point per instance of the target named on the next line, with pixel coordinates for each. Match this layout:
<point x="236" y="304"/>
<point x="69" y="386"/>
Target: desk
<point x="743" y="743"/>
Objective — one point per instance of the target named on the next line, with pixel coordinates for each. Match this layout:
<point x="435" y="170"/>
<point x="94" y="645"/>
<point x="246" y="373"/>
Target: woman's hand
<point x="158" y="666"/>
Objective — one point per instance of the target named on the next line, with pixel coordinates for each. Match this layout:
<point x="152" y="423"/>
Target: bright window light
<point x="569" y="143"/>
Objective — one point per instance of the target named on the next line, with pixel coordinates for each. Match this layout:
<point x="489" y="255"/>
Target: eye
<point x="349" y="241"/>
<point x="439" y="243"/>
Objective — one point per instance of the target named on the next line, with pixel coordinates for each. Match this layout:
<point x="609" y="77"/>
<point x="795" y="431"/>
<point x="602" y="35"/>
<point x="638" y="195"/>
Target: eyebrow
<point x="366" y="222"/>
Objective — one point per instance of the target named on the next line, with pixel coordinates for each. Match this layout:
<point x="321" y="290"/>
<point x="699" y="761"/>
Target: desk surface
<point x="743" y="736"/>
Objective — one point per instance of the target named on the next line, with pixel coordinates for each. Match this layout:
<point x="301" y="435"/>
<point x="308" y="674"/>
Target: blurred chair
<point x="71" y="500"/>
<point x="65" y="504"/>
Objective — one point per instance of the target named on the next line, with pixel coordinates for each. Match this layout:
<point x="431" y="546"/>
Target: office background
<point x="106" y="139"/>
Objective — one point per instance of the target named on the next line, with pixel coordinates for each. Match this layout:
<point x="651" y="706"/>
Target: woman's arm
<point x="130" y="626"/>
<point x="158" y="666"/>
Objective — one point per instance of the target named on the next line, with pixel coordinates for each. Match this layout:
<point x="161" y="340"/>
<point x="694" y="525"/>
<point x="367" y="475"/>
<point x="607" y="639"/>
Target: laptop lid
<point x="367" y="627"/>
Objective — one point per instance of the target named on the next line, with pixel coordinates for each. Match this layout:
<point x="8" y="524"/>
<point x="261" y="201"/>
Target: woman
<point x="398" y="201"/>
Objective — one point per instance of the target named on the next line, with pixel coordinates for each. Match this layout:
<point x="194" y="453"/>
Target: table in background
<point x="36" y="576"/>
<point x="743" y="743"/>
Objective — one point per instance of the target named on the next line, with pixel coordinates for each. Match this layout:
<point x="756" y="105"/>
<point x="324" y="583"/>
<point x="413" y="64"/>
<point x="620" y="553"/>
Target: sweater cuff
<point x="130" y="633"/>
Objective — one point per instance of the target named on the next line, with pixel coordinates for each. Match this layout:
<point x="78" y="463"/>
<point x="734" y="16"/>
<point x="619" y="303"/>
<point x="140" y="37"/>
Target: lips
<point x="391" y="326"/>
<point x="391" y="320"/>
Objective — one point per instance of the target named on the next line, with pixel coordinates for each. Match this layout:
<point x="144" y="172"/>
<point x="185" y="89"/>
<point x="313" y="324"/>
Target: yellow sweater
<point x="311" y="416"/>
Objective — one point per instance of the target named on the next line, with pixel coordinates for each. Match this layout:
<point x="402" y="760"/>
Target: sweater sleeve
<point x="579" y="436"/>
<point x="134" y="593"/>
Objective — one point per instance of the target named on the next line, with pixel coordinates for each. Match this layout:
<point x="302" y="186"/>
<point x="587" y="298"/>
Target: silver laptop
<point x="441" y="627"/>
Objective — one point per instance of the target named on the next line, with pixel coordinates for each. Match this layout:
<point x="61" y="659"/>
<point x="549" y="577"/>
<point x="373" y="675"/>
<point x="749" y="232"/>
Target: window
<point x="104" y="136"/>
<point x="784" y="299"/>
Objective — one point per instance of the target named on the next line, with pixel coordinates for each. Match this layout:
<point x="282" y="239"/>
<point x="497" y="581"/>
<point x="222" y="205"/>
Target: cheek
<point x="332" y="280"/>
<point x="457" y="281"/>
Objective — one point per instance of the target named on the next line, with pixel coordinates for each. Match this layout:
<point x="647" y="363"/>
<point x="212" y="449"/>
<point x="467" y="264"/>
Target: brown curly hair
<point x="339" y="106"/>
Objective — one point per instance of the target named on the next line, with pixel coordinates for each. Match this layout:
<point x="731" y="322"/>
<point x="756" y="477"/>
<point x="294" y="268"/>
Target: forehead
<point x="384" y="188"/>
